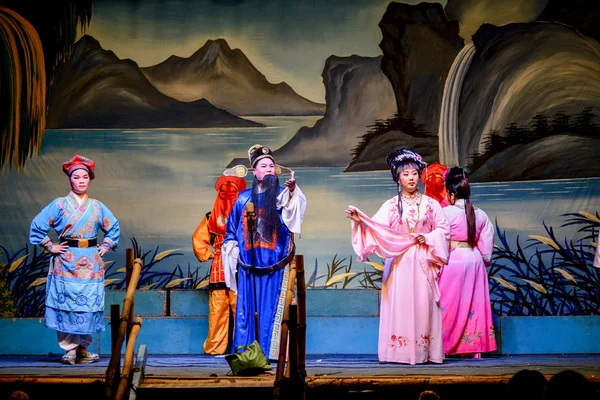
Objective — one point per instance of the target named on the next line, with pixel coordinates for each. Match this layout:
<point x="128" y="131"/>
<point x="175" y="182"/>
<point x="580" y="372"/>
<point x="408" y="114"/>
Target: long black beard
<point x="267" y="219"/>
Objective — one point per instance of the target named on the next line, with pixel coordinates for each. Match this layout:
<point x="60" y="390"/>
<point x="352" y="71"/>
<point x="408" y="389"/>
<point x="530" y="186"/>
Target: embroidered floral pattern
<point x="424" y="342"/>
<point x="61" y="298"/>
<point x="492" y="334"/>
<point x="398" y="341"/>
<point x="474" y="338"/>
<point x="84" y="262"/>
<point x="57" y="269"/>
<point x="97" y="259"/>
<point x="106" y="224"/>
<point x="85" y="231"/>
<point x="60" y="319"/>
<point x="68" y="256"/>
<point x="81" y="300"/>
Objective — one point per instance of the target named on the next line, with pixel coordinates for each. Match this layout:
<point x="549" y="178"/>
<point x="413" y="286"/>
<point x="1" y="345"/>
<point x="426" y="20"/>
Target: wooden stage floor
<point x="346" y="373"/>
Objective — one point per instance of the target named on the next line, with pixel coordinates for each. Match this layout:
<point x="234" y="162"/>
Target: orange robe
<point x="221" y="298"/>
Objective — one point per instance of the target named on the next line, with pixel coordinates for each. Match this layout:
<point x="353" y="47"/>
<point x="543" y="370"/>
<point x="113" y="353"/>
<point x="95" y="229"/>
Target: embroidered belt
<point x="80" y="242"/>
<point x="286" y="260"/>
<point x="455" y="244"/>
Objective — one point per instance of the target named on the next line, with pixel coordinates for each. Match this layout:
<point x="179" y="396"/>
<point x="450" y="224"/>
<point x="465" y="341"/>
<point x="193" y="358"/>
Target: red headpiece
<point x="434" y="181"/>
<point x="228" y="188"/>
<point x="79" y="162"/>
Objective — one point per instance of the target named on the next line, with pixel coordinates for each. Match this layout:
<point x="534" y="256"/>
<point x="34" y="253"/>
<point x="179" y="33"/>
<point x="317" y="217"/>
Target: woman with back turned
<point x="465" y="297"/>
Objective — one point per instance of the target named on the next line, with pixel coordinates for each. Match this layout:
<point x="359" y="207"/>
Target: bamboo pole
<point x="279" y="374"/>
<point x="128" y="362"/>
<point x="301" y="285"/>
<point x="127" y="304"/>
<point x="292" y="365"/>
<point x="129" y="256"/>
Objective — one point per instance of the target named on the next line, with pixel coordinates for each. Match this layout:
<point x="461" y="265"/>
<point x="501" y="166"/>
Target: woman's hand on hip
<point x="102" y="250"/>
<point x="59" y="248"/>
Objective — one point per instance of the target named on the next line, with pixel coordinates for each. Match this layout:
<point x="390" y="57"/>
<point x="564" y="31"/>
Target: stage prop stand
<point x="301" y="285"/>
<point x="282" y="381"/>
<point x="292" y="366"/>
<point x="123" y="325"/>
<point x="128" y="362"/>
<point x="139" y="372"/>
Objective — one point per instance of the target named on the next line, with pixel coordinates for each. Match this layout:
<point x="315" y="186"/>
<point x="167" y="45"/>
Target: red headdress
<point x="434" y="182"/>
<point x="228" y="188"/>
<point x="79" y="162"/>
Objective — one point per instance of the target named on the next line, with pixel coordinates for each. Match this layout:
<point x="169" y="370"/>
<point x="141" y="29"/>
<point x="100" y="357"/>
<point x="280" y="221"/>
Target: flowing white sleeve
<point x="294" y="207"/>
<point x="229" y="256"/>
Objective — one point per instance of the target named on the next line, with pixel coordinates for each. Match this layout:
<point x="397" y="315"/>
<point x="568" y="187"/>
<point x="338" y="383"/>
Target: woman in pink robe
<point x="411" y="232"/>
<point x="465" y="297"/>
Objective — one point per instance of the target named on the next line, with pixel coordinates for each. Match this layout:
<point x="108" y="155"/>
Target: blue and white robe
<point x="271" y="283"/>
<point x="75" y="284"/>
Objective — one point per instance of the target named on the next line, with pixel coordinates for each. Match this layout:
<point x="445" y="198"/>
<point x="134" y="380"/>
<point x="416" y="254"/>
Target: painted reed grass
<point x="547" y="276"/>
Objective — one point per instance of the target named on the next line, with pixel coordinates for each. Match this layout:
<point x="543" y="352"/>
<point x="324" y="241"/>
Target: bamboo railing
<point x="290" y="382"/>
<point x="116" y="385"/>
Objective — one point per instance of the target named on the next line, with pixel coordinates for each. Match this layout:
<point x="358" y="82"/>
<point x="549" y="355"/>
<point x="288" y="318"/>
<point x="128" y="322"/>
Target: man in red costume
<point x="433" y="180"/>
<point x="210" y="234"/>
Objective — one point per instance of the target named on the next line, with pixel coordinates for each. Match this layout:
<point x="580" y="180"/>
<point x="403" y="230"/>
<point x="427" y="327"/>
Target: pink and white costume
<point x="466" y="310"/>
<point x="410" y="328"/>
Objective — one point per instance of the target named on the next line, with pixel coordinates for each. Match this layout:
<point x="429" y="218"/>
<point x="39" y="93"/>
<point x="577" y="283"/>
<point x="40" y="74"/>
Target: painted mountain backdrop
<point x="95" y="89"/>
<point x="227" y="79"/>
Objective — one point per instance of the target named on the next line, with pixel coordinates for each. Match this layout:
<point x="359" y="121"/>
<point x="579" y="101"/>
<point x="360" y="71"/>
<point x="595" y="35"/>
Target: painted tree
<point x="35" y="38"/>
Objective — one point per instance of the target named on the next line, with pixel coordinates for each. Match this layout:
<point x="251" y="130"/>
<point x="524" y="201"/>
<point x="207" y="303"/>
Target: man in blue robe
<point x="261" y="249"/>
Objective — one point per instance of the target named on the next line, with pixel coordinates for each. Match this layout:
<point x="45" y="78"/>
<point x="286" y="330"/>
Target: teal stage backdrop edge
<point x="345" y="322"/>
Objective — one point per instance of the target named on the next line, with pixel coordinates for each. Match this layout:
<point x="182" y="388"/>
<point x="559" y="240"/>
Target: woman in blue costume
<point x="75" y="284"/>
<point x="262" y="260"/>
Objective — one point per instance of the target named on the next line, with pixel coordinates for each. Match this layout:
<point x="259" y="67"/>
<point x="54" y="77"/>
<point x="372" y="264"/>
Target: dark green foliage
<point x="8" y="307"/>
<point x="150" y="279"/>
<point x="582" y="124"/>
<point x="29" y="297"/>
<point x="568" y="282"/>
<point x="23" y="290"/>
<point x="396" y="123"/>
<point x="336" y="269"/>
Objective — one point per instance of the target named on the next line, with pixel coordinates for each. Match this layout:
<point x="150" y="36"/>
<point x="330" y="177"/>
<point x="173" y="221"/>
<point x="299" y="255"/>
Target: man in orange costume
<point x="210" y="233"/>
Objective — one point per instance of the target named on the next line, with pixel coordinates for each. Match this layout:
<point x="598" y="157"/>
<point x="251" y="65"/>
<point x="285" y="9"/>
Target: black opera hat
<point x="257" y="153"/>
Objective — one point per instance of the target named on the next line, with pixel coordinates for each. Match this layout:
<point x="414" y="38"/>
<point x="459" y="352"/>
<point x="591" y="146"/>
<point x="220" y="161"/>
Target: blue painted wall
<point x="338" y="322"/>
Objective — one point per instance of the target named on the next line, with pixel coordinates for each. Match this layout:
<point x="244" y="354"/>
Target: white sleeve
<point x="294" y="207"/>
<point x="229" y="253"/>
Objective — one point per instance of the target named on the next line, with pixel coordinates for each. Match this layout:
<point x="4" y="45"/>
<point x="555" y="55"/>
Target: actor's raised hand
<point x="352" y="214"/>
<point x="59" y="248"/>
<point x="291" y="183"/>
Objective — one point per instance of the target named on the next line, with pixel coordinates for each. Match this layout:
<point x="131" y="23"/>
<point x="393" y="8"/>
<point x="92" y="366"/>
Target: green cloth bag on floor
<point x="252" y="361"/>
